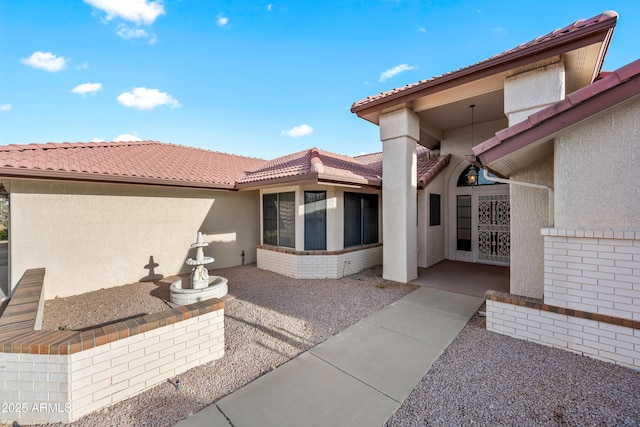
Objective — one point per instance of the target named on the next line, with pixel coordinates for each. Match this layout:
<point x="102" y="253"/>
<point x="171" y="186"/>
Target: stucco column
<point x="526" y="91"/>
<point x="399" y="132"/>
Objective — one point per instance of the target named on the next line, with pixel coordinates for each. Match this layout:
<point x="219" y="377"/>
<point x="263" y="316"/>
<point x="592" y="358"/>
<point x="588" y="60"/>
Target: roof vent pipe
<point x="524" y="184"/>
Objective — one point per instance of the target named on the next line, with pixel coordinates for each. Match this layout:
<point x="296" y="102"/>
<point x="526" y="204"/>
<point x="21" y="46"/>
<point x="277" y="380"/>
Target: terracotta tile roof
<point x="613" y="89"/>
<point x="310" y="164"/>
<point x="152" y="162"/>
<point x="431" y="167"/>
<point x="373" y="160"/>
<point x="606" y="20"/>
<point x="430" y="164"/>
<point x="149" y="162"/>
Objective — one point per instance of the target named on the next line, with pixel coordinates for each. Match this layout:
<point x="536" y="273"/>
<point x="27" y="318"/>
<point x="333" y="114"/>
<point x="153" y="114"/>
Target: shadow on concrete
<point x="464" y="277"/>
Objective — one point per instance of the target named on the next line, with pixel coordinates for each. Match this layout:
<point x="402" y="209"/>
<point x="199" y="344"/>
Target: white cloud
<point x="97" y="140"/>
<point x="422" y="30"/>
<point x="147" y="99"/>
<point x="5" y="107"/>
<point x="83" y="66"/>
<point x="298" y="131"/>
<point x="394" y="71"/>
<point x="87" y="88"/>
<point x="126" y="137"/>
<point x="46" y="61"/>
<point x="221" y="20"/>
<point x="499" y="30"/>
<point x="131" y="33"/>
<point x="269" y="7"/>
<point x="138" y="11"/>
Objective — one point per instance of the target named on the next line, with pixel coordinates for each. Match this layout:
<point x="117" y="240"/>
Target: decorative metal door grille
<point x="494" y="240"/>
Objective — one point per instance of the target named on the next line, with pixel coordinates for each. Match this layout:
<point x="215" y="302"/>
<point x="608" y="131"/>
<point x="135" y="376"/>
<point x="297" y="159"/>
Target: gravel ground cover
<point x="487" y="379"/>
<point x="482" y="378"/>
<point x="271" y="320"/>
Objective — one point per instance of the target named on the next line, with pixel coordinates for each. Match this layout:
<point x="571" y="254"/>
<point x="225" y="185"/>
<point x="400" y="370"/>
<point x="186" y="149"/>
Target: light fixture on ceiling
<point x="472" y="175"/>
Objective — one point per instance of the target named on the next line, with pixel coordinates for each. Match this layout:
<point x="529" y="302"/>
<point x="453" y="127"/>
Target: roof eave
<point x="104" y="178"/>
<point x="337" y="180"/>
<point x="540" y="129"/>
<point x="597" y="33"/>
<point x="315" y="178"/>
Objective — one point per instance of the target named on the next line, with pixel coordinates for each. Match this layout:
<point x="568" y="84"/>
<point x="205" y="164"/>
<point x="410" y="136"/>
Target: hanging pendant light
<point x="472" y="175"/>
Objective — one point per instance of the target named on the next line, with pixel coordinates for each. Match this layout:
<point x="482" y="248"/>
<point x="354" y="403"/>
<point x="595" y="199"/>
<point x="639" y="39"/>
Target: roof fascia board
<point x="307" y="179"/>
<point x="566" y="119"/>
<point x="294" y="179"/>
<point x="86" y="177"/>
<point x="600" y="32"/>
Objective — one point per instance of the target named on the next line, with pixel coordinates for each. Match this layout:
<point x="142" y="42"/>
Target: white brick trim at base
<point x="324" y="266"/>
<point x="44" y="388"/>
<point x="599" y="340"/>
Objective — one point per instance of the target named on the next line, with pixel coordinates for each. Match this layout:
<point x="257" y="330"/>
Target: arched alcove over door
<point x="479" y="219"/>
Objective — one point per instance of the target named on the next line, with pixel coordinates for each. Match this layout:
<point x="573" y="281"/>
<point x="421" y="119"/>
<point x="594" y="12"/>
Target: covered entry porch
<point x="464" y="277"/>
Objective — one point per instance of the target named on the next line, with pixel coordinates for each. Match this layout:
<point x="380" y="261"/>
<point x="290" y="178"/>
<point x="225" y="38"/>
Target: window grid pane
<point x="287" y="220"/>
<point x="315" y="220"/>
<point x="360" y="219"/>
<point x="369" y="219"/>
<point x="270" y="219"/>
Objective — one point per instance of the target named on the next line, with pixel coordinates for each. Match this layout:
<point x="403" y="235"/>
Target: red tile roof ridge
<point x="312" y="161"/>
<point x="316" y="162"/>
<point x="55" y="145"/>
<point x="108" y="144"/>
<point x="518" y="50"/>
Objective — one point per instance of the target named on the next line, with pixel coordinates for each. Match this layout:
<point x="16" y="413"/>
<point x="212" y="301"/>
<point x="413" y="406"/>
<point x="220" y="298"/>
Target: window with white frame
<point x="315" y="220"/>
<point x="278" y="219"/>
<point x="360" y="219"/>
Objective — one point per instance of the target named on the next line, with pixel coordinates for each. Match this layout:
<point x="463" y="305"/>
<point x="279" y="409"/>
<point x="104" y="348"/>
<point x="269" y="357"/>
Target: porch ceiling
<point x="436" y="120"/>
<point x="449" y="108"/>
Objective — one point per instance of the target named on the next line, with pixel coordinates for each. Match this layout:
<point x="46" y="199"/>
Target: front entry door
<point x="494" y="239"/>
<point x="482" y="225"/>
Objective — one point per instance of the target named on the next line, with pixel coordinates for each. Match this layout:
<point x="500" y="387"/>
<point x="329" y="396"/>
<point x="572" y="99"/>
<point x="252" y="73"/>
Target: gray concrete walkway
<point x="358" y="377"/>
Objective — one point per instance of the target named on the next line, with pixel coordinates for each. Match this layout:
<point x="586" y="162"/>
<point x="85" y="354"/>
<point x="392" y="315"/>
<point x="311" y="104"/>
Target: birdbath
<point x="200" y="285"/>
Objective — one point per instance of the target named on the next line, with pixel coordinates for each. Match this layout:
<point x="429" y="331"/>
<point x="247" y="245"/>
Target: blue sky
<point x="257" y="78"/>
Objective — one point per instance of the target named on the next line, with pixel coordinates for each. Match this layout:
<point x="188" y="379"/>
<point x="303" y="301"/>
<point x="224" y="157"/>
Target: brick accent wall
<point x="591" y="302"/>
<point x="318" y="264"/>
<point x="602" y="337"/>
<point x="40" y="388"/>
<point x="593" y="270"/>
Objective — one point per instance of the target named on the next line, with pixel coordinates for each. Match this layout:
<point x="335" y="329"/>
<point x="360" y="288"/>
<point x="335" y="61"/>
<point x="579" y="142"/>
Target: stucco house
<point x="565" y="137"/>
<point x="525" y="159"/>
<point x="96" y="215"/>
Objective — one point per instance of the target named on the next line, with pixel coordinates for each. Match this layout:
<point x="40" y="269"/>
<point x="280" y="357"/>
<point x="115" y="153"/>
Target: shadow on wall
<point x="152" y="276"/>
<point x="231" y="227"/>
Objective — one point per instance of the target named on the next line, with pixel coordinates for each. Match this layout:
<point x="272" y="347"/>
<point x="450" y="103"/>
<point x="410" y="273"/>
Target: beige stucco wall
<point x="431" y="242"/>
<point x="533" y="88"/>
<point x="596" y="171"/>
<point x="90" y="236"/>
<point x="529" y="214"/>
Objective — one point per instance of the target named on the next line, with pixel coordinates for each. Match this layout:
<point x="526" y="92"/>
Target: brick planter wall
<point x="61" y="376"/>
<point x="318" y="264"/>
<point x="591" y="300"/>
